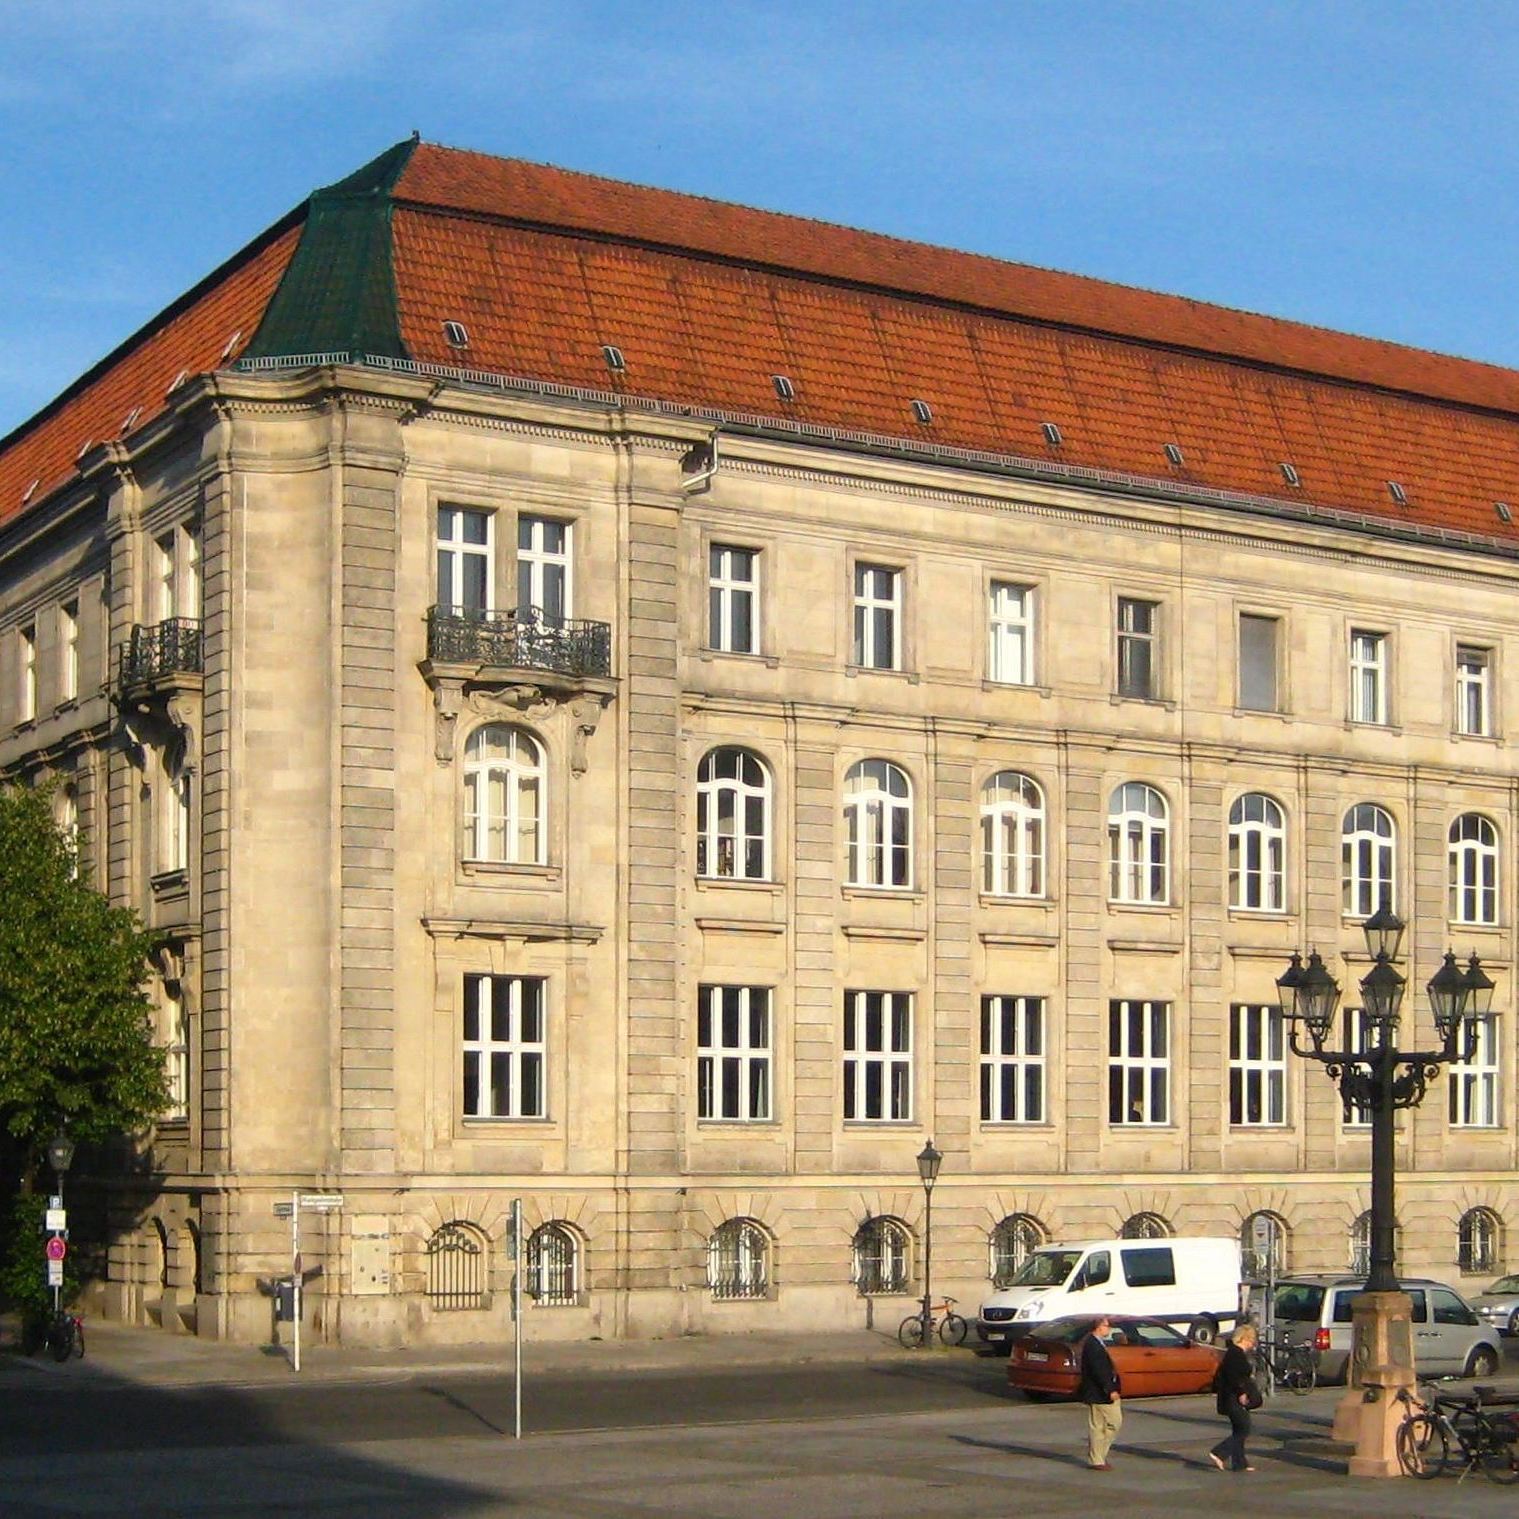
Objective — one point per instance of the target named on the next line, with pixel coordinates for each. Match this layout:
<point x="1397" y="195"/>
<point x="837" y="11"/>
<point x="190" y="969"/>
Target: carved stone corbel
<point x="183" y="712"/>
<point x="585" y="714"/>
<point x="447" y="697"/>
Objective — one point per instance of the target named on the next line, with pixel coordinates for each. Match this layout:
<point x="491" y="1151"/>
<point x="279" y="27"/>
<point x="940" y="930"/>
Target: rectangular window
<point x="1137" y="638"/>
<point x="877" y="1057"/>
<point x="68" y="647"/>
<point x="504" y="1046"/>
<point x="733" y="1053"/>
<point x="543" y="570"/>
<point x="1010" y="659"/>
<point x="171" y="798"/>
<point x="1474" y="705"/>
<point x="165" y="600"/>
<point x="26" y="674"/>
<point x="1368" y="677"/>
<point x="189" y="571"/>
<point x="1139" y="1063"/>
<point x="466" y="576"/>
<point x="1259" y="645"/>
<point x="877" y="617"/>
<point x="1149" y="1266"/>
<point x="733" y="600"/>
<point x="1012" y="1060"/>
<point x="1360" y="1036"/>
<point x="1474" y="1083"/>
<point x="1257" y="1066"/>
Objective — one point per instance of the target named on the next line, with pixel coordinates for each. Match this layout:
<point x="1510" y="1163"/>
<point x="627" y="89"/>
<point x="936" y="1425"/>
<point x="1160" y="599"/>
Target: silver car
<point x="1499" y="1305"/>
<point x="1449" y="1338"/>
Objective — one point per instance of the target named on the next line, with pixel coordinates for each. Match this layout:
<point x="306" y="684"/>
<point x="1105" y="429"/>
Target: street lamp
<point x="1379" y="1078"/>
<point x="60" y="1156"/>
<point x="929" y="1161"/>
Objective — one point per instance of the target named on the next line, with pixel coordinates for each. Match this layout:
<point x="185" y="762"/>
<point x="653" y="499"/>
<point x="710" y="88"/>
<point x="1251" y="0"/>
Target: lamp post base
<point x="1381" y="1365"/>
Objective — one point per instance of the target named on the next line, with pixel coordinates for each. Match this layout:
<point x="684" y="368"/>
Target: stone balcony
<point x="160" y="654"/>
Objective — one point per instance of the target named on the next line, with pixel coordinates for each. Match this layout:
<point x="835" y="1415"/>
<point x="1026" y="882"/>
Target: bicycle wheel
<point x="1301" y="1375"/>
<point x="953" y="1329"/>
<point x="60" y="1337"/>
<point x="1422" y="1447"/>
<point x="910" y="1332"/>
<point x="1497" y="1458"/>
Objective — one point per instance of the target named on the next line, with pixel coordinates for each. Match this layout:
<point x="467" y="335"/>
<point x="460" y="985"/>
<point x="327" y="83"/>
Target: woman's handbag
<point x="1253" y="1398"/>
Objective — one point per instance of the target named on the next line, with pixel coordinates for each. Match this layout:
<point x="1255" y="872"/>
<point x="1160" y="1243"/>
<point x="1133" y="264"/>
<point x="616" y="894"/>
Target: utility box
<point x="284" y="1300"/>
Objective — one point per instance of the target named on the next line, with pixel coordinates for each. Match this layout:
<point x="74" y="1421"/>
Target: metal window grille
<point x="1360" y="1245"/>
<point x="1012" y="1242"/>
<point x="1263" y="1247"/>
<point x="553" y="1267"/>
<point x="738" y="1261"/>
<point x="1477" y="1254"/>
<point x="456" y="1262"/>
<point x="1145" y="1226"/>
<point x="880" y="1257"/>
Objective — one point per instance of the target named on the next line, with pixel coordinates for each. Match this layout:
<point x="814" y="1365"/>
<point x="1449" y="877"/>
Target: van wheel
<point x="1481" y="1363"/>
<point x="1202" y="1331"/>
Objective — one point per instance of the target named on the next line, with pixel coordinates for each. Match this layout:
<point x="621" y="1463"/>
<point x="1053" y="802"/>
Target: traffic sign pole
<point x="312" y="1202"/>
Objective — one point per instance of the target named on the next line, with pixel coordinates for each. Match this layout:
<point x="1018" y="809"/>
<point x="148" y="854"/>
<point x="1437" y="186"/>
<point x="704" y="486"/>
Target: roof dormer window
<point x="457" y="334"/>
<point x="1398" y="494"/>
<point x="1051" y="434"/>
<point x="1290" y="474"/>
<point x="783" y="387"/>
<point x="1173" y="453"/>
<point x="923" y="412"/>
<point x="614" y="359"/>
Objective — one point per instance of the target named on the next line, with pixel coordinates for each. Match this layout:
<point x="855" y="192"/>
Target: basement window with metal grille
<point x="1504" y="514"/>
<point x="783" y="387"/>
<point x="1398" y="494"/>
<point x="457" y="334"/>
<point x="923" y="412"/>
<point x="1290" y="474"/>
<point x="456" y="1262"/>
<point x="613" y="355"/>
<point x="1051" y="434"/>
<point x="1173" y="454"/>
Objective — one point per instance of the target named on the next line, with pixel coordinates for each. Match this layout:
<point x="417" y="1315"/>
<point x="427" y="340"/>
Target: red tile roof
<point x="708" y="301"/>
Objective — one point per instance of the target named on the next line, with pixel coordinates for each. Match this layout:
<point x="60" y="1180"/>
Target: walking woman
<point x="1237" y="1395"/>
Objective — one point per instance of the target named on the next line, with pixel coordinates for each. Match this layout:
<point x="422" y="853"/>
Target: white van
<point x="1193" y="1283"/>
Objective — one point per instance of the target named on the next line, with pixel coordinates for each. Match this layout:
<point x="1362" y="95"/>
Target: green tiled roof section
<point x="339" y="293"/>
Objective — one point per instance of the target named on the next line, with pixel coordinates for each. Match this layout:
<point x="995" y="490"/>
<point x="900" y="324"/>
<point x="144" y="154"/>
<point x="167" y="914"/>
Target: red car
<point x="1151" y="1358"/>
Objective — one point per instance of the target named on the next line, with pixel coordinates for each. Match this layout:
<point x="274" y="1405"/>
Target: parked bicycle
<point x="952" y="1328"/>
<point x="1281" y="1363"/>
<point x="61" y="1333"/>
<point x="1443" y="1431"/>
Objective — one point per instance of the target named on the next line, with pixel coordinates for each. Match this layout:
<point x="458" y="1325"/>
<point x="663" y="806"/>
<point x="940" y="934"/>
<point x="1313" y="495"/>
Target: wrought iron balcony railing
<point x="171" y="647"/>
<point x="522" y="639"/>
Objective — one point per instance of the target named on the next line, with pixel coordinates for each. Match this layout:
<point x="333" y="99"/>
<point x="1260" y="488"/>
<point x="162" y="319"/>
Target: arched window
<point x="738" y="1260"/>
<point x="1263" y="1247"/>
<point x="1367" y="842"/>
<point x="1257" y="854"/>
<point x="1473" y="870"/>
<point x="1139" y="835"/>
<point x="1011" y="1243"/>
<point x="878" y="824"/>
<point x="1145" y="1226"/>
<point x="1360" y="1245"/>
<point x="456" y="1262"/>
<point x="1012" y="836"/>
<point x="553" y="1266"/>
<point x="503" y="796"/>
<point x="881" y="1251"/>
<point x="1477" y="1251"/>
<point x="733" y="816"/>
<point x="66" y="815"/>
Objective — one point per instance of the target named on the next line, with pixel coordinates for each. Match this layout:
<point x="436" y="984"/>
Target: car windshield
<point x="1046" y="1268"/>
<point x="1505" y="1284"/>
<point x="1065" y="1331"/>
<point x="1298" y="1302"/>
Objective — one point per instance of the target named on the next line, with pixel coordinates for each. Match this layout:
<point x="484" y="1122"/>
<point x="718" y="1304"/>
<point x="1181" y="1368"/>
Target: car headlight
<point x="1031" y="1310"/>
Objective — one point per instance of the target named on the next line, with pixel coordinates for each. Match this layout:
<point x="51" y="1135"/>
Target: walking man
<point x="1099" y="1391"/>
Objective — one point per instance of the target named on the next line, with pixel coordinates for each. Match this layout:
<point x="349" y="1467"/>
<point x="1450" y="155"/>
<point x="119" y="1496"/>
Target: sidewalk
<point x="154" y="1358"/>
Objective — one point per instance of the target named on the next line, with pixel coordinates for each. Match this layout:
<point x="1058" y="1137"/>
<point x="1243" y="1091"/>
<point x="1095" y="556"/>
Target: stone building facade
<point x="571" y="784"/>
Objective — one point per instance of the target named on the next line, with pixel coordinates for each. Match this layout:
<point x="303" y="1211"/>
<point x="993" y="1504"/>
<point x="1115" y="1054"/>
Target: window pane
<point x="1257" y="663"/>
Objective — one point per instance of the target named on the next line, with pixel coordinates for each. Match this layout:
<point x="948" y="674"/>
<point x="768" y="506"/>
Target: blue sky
<point x="1345" y="163"/>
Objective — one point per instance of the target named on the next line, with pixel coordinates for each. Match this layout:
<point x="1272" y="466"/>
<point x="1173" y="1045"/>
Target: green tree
<point x="76" y="1034"/>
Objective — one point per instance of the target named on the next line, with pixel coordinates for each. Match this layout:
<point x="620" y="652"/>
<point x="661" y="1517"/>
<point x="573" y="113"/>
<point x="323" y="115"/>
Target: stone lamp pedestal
<point x="1381" y="1365"/>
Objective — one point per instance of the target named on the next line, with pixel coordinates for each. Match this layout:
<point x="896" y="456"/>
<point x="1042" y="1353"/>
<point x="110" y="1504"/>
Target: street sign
<point x="322" y="1202"/>
<point x="56" y="1221"/>
<point x="283" y="1210"/>
<point x="57" y="1248"/>
<point x="55" y="1273"/>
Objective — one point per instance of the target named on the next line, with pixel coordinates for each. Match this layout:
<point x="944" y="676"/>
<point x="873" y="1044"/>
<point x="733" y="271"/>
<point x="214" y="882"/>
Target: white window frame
<point x="1360" y="1037"/>
<point x="553" y="1282"/>
<point x="1474" y="856"/>
<point x="1475" y="1083"/>
<point x="1474" y="691"/>
<point x="1130" y="640"/>
<point x="545" y="571"/>
<point x="1368" y="860"/>
<point x="1257" y="1066"/>
<point x="1013" y="1056"/>
<point x="512" y="777"/>
<point x="455" y="551"/>
<point x="878" y="826"/>
<point x="746" y="1050"/>
<point x="1368" y="676"/>
<point x="165" y="577"/>
<point x="878" y="1061"/>
<point x="68" y="644"/>
<point x="728" y="590"/>
<point x="26" y="661"/>
<point x="171" y="800"/>
<point x="1012" y="611"/>
<point x="873" y="601"/>
<point x="727" y="845"/>
<point x="1257" y="854"/>
<point x="1139" y="845"/>
<point x="525" y="1058"/>
<point x="1139" y="1063"/>
<point x="1012" y="835"/>
<point x="738" y="1261"/>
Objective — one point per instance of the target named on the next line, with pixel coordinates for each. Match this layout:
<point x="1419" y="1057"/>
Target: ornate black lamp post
<point x="1379" y="1078"/>
<point x="60" y="1156"/>
<point x="929" y="1161"/>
